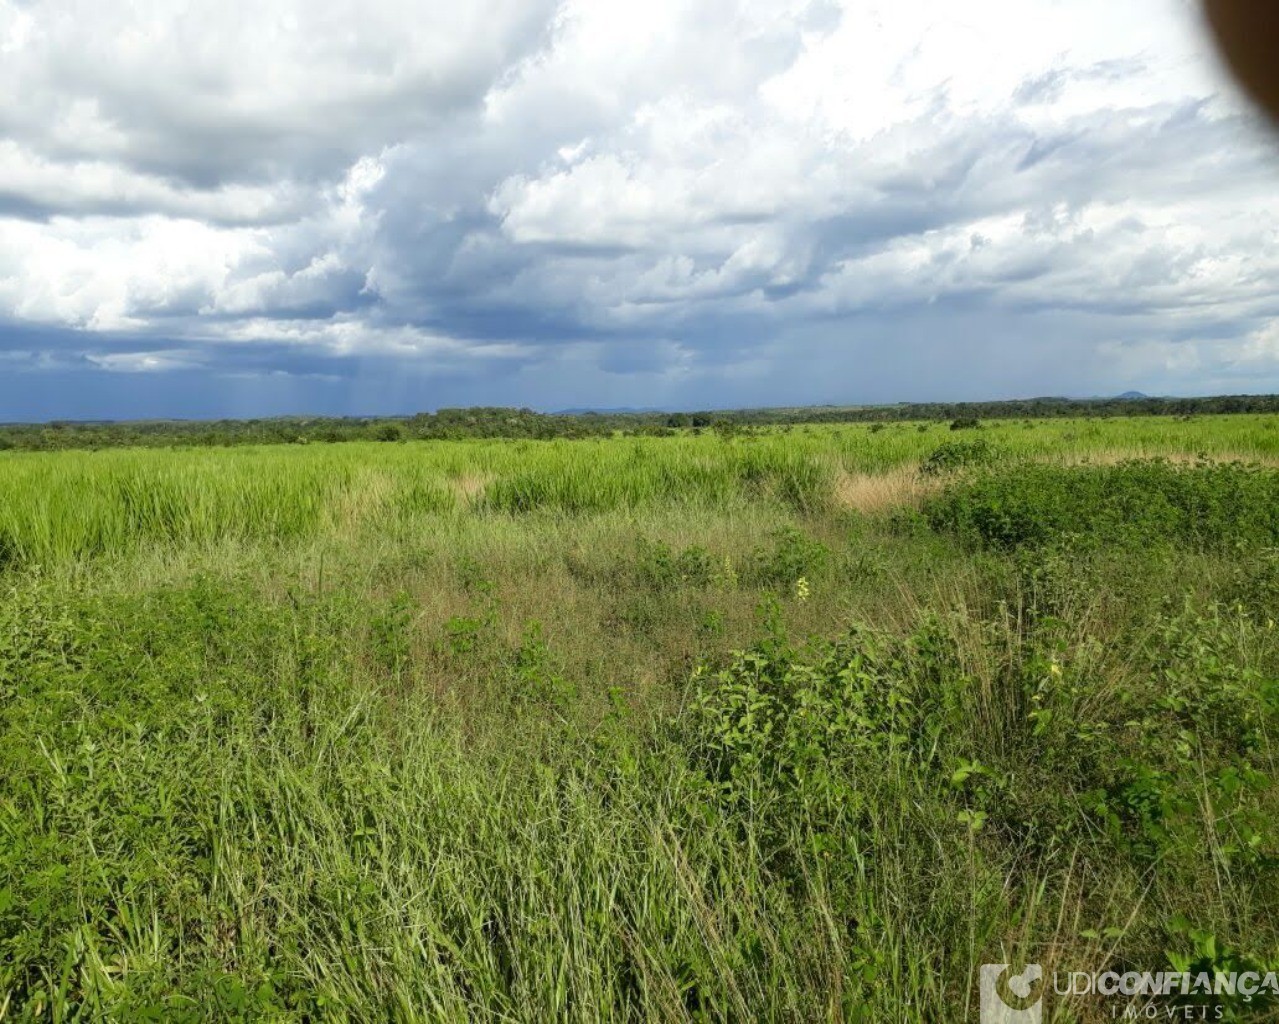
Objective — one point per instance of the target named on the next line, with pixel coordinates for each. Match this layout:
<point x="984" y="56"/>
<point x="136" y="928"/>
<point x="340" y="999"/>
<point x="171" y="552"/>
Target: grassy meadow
<point x="792" y="724"/>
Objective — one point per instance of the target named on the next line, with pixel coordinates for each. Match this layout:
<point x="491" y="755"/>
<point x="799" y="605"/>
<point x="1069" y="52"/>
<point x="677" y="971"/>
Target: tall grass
<point x="217" y="806"/>
<point x="76" y="505"/>
<point x="640" y="729"/>
<point x="87" y="505"/>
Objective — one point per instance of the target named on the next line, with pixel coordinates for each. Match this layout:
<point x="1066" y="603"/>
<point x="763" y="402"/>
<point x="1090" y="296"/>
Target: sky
<point x="263" y="207"/>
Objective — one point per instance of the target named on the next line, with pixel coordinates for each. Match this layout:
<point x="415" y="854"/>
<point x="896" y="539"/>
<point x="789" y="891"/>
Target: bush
<point x="965" y="423"/>
<point x="955" y="455"/>
<point x="1254" y="585"/>
<point x="1137" y="504"/>
<point x="660" y="568"/>
<point x="786" y="730"/>
<point x="793" y="555"/>
<point x="1183" y="751"/>
<point x="1137" y="761"/>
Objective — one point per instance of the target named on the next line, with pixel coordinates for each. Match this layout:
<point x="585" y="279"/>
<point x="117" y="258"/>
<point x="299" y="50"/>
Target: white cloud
<point x="277" y="83"/>
<point x="1261" y="347"/>
<point x="110" y="274"/>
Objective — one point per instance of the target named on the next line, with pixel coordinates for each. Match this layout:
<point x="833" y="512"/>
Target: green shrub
<point x="1192" y="733"/>
<point x="1138" y="504"/>
<point x="793" y="555"/>
<point x="955" y="455"/>
<point x="1254" y="584"/>
<point x="535" y="681"/>
<point x="786" y="721"/>
<point x="658" y="567"/>
<point x="792" y="744"/>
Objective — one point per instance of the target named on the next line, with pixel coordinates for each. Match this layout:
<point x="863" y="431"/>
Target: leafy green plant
<point x="957" y="455"/>
<point x="660" y="568"/>
<point x="533" y="675"/>
<point x="1135" y="503"/>
<point x="391" y="632"/>
<point x="793" y="555"/>
<point x="782" y="734"/>
<point x="1199" y="953"/>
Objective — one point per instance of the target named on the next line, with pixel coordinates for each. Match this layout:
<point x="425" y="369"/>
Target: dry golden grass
<point x="469" y="487"/>
<point x="873" y="493"/>
<point x="366" y="494"/>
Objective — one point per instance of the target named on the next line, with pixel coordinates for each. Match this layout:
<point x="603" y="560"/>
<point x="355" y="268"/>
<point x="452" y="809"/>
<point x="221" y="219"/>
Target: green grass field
<point x="803" y="724"/>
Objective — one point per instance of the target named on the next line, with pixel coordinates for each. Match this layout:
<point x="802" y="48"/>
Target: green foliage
<point x="391" y="633"/>
<point x="658" y="567"/>
<point x="534" y="677"/>
<point x="649" y="728"/>
<point x="1136" y="766"/>
<point x="1135" y="503"/>
<point x="1255" y="583"/>
<point x="791" y="556"/>
<point x="956" y="455"/>
<point x="778" y="726"/>
<point x="726" y="429"/>
<point x="1198" y="952"/>
<point x="1174" y="769"/>
<point x="468" y="635"/>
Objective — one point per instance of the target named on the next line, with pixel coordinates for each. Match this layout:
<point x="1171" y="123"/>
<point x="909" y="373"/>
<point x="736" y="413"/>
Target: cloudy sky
<point x="251" y="207"/>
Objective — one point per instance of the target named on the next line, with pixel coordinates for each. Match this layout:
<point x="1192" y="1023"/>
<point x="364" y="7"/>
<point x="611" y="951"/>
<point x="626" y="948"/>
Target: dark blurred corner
<point x="1247" y="33"/>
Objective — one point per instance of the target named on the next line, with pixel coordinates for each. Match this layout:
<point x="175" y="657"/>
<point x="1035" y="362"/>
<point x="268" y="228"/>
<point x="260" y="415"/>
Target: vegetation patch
<point x="637" y="728"/>
<point x="957" y="455"/>
<point x="1134" y="504"/>
<point x="882" y="492"/>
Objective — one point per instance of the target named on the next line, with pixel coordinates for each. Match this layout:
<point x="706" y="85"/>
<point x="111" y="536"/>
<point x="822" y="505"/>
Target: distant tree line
<point x="496" y="422"/>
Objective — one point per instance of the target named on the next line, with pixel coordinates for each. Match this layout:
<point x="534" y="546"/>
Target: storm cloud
<point x="244" y="209"/>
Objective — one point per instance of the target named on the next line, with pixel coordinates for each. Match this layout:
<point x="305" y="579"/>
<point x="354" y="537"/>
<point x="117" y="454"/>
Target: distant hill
<point x="1130" y="395"/>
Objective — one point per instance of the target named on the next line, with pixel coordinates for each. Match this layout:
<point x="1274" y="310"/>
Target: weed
<point x="1135" y="504"/>
<point x="954" y="455"/>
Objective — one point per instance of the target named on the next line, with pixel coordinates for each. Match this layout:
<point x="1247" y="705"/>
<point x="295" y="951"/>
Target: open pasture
<point x="792" y="724"/>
